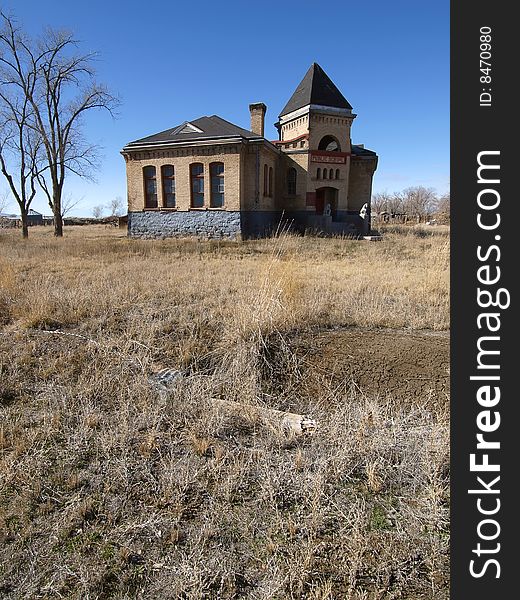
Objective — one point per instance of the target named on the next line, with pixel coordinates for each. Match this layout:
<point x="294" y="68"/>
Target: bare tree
<point x="4" y="200"/>
<point x="116" y="206"/>
<point x="19" y="145"/>
<point x="443" y="207"/>
<point x="59" y="85"/>
<point x="419" y="202"/>
<point x="443" y="204"/>
<point x="68" y="203"/>
<point x="380" y="202"/>
<point x="396" y="203"/>
<point x="97" y="211"/>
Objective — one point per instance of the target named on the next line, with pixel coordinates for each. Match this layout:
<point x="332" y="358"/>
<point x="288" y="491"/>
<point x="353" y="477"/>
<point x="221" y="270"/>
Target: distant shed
<point x="34" y="218"/>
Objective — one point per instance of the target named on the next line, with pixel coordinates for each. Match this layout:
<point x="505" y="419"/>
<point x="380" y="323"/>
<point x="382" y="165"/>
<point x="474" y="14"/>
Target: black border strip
<point x="477" y="128"/>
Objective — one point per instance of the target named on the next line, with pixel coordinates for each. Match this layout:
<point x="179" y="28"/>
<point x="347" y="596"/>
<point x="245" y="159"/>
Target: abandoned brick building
<point x="211" y="178"/>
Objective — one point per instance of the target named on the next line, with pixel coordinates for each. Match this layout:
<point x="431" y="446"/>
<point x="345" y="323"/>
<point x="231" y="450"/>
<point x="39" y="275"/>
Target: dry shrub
<point x="112" y="488"/>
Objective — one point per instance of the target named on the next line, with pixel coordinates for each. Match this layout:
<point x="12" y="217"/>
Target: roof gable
<point x="315" y="88"/>
<point x="186" y="127"/>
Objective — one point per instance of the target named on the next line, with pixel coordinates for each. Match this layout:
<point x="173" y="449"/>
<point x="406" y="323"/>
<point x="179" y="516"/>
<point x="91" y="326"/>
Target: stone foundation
<point x="232" y="224"/>
<point x="163" y="224"/>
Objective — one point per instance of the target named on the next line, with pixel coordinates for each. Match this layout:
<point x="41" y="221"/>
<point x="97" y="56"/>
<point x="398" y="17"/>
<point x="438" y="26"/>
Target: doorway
<point x="327" y="197"/>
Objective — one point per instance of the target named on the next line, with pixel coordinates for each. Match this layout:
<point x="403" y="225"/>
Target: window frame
<point x="164" y="179"/>
<point x="198" y="177"/>
<point x="220" y="177"/>
<point x="147" y="179"/>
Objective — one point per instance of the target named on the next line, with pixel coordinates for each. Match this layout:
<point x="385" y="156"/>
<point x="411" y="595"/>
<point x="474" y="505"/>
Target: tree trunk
<point x="25" y="225"/>
<point x="58" y="219"/>
<point x="58" y="225"/>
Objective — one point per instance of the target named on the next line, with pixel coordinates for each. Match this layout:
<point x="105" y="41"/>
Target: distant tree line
<point x="114" y="207"/>
<point x="419" y="204"/>
<point x="47" y="86"/>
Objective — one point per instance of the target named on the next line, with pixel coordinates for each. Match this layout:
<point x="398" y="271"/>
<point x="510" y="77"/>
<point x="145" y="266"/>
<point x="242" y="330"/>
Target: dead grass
<point x="110" y="489"/>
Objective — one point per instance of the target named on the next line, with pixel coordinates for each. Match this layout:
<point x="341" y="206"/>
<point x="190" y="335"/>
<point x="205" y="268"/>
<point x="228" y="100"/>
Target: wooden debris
<point x="289" y="423"/>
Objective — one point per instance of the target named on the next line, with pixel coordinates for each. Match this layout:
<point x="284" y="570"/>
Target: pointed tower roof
<point x="316" y="88"/>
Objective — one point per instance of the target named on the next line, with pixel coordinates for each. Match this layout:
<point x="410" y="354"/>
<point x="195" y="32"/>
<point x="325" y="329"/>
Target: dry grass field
<point x="110" y="488"/>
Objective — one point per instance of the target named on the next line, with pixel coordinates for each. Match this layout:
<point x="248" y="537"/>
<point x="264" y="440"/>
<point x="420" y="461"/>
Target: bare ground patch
<point x="412" y="367"/>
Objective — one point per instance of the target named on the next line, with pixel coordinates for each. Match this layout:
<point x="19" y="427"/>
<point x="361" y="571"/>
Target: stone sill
<point x="221" y="208"/>
<point x="160" y="209"/>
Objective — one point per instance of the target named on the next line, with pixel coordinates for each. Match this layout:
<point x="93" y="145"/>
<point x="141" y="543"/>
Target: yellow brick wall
<point x="268" y="157"/>
<point x="181" y="160"/>
<point x="322" y="125"/>
<point x="360" y="187"/>
<point x="341" y="184"/>
<point x="295" y="127"/>
<point x="300" y="163"/>
<point x="316" y="125"/>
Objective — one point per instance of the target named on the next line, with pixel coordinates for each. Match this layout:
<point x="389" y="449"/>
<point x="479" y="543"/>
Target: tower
<point x="317" y="109"/>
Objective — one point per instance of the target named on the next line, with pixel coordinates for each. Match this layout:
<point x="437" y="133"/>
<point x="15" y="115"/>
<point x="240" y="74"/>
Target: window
<point x="217" y="185"/>
<point x="168" y="186"/>
<point x="331" y="173"/>
<point x="291" y="181"/>
<point x="266" y="185"/>
<point x="197" y="185"/>
<point x="318" y="173"/>
<point x="329" y="143"/>
<point x="324" y="173"/>
<point x="270" y="181"/>
<point x="150" y="187"/>
<point x="337" y="173"/>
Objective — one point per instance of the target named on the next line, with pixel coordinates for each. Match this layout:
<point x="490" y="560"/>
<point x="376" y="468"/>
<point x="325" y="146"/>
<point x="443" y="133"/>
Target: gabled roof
<point x="203" y="128"/>
<point x="315" y="88"/>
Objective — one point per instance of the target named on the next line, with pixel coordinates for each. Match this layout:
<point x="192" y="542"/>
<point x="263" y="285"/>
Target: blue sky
<point x="175" y="61"/>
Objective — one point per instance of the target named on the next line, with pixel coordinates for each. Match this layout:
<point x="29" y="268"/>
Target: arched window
<point x="291" y="181"/>
<point x="197" y="185"/>
<point x="324" y="173"/>
<point x="266" y="184"/>
<point x="270" y="181"/>
<point x="168" y="185"/>
<point x="331" y="173"/>
<point x="217" y="184"/>
<point x="329" y="143"/>
<point x="150" y="187"/>
<point x="337" y="173"/>
<point x="318" y="173"/>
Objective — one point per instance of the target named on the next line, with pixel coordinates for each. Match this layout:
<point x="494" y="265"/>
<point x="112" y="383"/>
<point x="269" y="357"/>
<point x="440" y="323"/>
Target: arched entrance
<point x="327" y="199"/>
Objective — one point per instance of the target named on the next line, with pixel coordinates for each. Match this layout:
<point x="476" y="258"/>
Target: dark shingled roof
<point x="210" y="127"/>
<point x="315" y="88"/>
<point x="361" y="151"/>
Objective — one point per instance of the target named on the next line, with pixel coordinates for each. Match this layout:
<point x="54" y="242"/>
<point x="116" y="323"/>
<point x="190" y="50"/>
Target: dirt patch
<point x="410" y="366"/>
